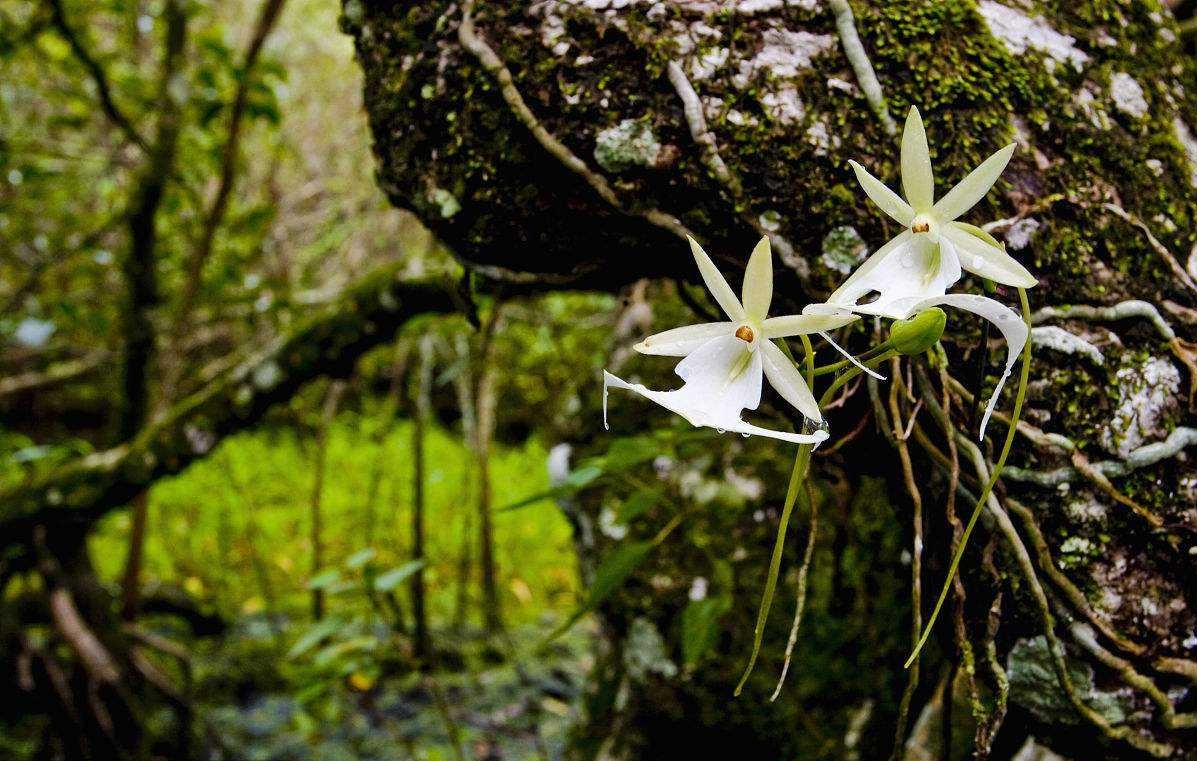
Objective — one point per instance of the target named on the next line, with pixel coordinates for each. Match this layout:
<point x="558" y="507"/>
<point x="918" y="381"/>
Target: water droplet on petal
<point x="720" y="431"/>
<point x="978" y="262"/>
<point x="745" y="435"/>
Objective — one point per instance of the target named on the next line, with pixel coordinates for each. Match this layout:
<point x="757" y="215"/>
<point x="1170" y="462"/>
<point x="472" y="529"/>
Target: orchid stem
<point x="864" y="357"/>
<point x="810" y="359"/>
<point x="1023" y="376"/>
<point x="840" y="380"/>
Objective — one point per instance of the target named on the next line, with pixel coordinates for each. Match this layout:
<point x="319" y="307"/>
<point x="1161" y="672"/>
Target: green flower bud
<point x="919" y="333"/>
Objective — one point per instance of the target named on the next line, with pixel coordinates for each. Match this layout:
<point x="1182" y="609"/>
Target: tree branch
<point x="98" y="77"/>
<point x="60" y="372"/>
<point x="267" y="17"/>
<point x="139" y="265"/>
<point x="328" y="343"/>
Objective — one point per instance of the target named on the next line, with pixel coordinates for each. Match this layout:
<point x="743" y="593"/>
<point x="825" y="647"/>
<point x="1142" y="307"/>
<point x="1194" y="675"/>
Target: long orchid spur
<point x="913" y="271"/>
<point x="723" y="362"/>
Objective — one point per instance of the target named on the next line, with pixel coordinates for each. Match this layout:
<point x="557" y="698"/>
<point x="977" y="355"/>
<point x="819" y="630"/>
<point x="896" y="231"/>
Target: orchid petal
<point x="827" y="337"/>
<point x="979" y="256"/>
<point x="716" y="284"/>
<point x="758" y="281"/>
<point x="902" y="277"/>
<point x="887" y="200"/>
<point x="1013" y="329"/>
<point x="806" y="324"/>
<point x="918" y="182"/>
<point x="864" y="272"/>
<point x="681" y="341"/>
<point x="724" y="373"/>
<point x="973" y="188"/>
<point x="784" y="377"/>
<point x="816" y="438"/>
<point x="722" y="378"/>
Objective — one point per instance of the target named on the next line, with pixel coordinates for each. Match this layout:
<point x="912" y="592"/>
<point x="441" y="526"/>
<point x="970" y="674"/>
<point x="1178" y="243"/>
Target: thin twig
<point x="267" y="16"/>
<point x="98" y="76"/>
<point x="60" y="372"/>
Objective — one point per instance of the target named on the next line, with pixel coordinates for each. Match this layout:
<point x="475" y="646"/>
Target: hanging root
<point x="1071" y="593"/>
<point x="988" y="488"/>
<point x="1027" y="570"/>
<point x="1095" y="474"/>
<point x="916" y="555"/>
<point x="490" y="61"/>
<point x="803" y="570"/>
<point x="854" y="50"/>
<point x="801" y="463"/>
<point x="968" y="656"/>
<point x="1085" y="637"/>
<point x="987" y="730"/>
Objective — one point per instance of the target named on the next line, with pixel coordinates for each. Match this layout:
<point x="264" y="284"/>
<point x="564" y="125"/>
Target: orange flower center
<point x="745" y="334"/>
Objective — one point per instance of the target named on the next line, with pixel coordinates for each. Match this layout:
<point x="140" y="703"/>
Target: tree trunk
<point x="421" y="414"/>
<point x="492" y="610"/>
<point x="131" y="577"/>
<point x="332" y="400"/>
<point x="463" y="386"/>
<point x="577" y="143"/>
<point x="140" y="270"/>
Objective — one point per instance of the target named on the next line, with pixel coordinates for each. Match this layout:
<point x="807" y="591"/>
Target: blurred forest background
<point x="281" y="479"/>
<point x="182" y="185"/>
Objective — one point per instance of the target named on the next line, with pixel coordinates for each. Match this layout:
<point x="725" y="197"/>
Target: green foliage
<point x="610" y="576"/>
<point x="389" y="580"/>
<point x="233" y="529"/>
<point x="700" y="627"/>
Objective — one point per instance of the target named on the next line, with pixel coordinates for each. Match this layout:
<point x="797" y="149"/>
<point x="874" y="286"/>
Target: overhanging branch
<point x="326" y="344"/>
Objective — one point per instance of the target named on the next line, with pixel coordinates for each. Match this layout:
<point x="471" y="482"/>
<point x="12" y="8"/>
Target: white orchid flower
<point x="913" y="271"/>
<point x="724" y="361"/>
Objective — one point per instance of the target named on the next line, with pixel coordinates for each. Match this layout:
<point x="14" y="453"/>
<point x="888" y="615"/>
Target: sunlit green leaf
<point x="316" y="634"/>
<point x="324" y="579"/>
<point x="360" y="558"/>
<point x="391" y="579"/>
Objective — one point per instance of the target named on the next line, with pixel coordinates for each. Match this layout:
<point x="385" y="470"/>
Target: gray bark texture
<point x="574" y="144"/>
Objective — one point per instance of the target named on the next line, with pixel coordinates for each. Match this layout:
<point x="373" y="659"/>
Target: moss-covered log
<point x="577" y="141"/>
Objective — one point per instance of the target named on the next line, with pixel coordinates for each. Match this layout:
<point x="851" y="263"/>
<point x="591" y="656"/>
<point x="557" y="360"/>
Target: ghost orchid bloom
<point x="913" y="271"/>
<point x="723" y="362"/>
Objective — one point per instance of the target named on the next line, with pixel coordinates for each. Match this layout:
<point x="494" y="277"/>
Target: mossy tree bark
<point x="575" y="142"/>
